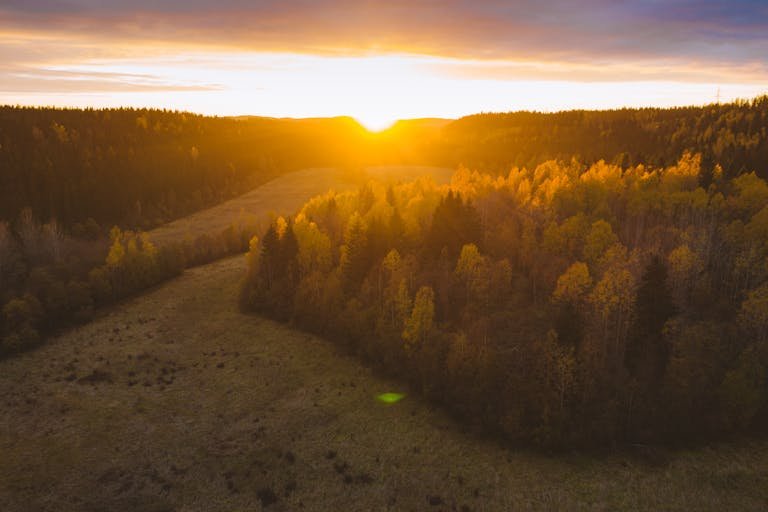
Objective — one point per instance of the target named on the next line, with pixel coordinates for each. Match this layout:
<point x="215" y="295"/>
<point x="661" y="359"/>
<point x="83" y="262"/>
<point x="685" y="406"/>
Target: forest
<point x="611" y="285"/>
<point x="560" y="305"/>
<point x="731" y="134"/>
<point x="140" y="168"/>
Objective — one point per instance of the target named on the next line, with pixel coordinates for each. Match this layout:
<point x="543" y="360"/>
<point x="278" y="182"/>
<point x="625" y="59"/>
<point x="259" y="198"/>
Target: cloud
<point x="734" y="32"/>
<point x="282" y="57"/>
<point x="49" y="65"/>
<point x="31" y="80"/>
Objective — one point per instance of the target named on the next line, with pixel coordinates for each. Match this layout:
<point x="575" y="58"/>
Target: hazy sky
<point x="380" y="60"/>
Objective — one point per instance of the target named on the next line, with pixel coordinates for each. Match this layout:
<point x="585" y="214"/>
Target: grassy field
<point x="285" y="195"/>
<point x="175" y="401"/>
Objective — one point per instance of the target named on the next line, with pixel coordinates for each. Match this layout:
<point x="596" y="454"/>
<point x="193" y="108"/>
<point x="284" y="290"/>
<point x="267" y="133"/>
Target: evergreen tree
<point x="454" y="224"/>
<point x="355" y="255"/>
<point x="396" y="229"/>
<point x="647" y="352"/>
<point x="289" y="252"/>
<point x="391" y="200"/>
<point x="270" y="257"/>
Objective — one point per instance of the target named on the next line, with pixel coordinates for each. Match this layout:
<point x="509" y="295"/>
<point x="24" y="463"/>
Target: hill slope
<point x="176" y="401"/>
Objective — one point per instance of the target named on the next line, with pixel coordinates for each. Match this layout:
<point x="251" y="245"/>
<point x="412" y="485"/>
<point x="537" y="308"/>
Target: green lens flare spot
<point x="390" y="398"/>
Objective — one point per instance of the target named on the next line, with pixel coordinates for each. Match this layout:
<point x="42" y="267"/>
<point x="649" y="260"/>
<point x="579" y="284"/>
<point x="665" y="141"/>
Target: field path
<point x="175" y="401"/>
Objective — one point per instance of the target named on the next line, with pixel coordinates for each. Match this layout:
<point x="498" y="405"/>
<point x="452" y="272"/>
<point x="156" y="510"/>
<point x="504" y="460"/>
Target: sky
<point x="380" y="61"/>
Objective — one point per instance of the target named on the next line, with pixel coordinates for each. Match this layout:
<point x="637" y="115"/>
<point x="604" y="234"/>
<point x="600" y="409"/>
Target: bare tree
<point x="53" y="241"/>
<point x="28" y="230"/>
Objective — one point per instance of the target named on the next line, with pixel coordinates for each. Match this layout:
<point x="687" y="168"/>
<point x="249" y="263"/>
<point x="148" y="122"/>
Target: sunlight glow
<point x="375" y="123"/>
<point x="377" y="90"/>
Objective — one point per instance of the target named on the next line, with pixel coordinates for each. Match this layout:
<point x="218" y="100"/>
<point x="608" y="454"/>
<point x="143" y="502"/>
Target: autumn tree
<point x="569" y="298"/>
<point x="471" y="270"/>
<point x="419" y="325"/>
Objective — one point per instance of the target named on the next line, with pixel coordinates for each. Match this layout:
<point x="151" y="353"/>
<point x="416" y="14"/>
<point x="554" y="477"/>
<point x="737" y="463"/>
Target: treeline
<point x="50" y="280"/>
<point x="141" y="168"/>
<point x="735" y="135"/>
<point x="558" y="305"/>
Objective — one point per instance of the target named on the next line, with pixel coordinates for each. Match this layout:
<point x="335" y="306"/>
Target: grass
<point x="234" y="412"/>
<point x="175" y="401"/>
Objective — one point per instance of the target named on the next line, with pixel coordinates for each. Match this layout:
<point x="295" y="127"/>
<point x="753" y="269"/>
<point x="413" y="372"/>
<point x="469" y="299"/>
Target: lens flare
<point x="390" y="398"/>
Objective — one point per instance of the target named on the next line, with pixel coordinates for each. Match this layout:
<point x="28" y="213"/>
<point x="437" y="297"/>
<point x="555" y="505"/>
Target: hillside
<point x="142" y="167"/>
<point x="732" y="135"/>
<point x="176" y="401"/>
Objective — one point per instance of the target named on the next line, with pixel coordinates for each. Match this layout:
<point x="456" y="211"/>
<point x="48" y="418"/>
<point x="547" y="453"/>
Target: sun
<point x="374" y="122"/>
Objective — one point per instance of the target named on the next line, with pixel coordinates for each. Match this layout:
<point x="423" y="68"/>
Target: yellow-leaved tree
<point x="419" y="325"/>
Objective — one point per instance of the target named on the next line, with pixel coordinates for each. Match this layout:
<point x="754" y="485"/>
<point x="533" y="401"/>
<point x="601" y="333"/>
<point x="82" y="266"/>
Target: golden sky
<point x="379" y="61"/>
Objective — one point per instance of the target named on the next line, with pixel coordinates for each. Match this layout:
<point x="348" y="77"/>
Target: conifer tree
<point x="355" y="257"/>
<point x="647" y="353"/>
<point x="270" y="256"/>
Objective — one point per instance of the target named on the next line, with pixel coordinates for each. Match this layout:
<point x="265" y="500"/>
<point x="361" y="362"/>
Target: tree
<point x="561" y="368"/>
<point x="390" y="196"/>
<point x="613" y="298"/>
<point x="684" y="266"/>
<point x="742" y="391"/>
<point x="570" y="299"/>
<point x="52" y="240"/>
<point x="573" y="284"/>
<point x="753" y="316"/>
<point x="269" y="268"/>
<point x="418" y="327"/>
<point x="699" y="355"/>
<point x="253" y="256"/>
<point x="469" y="270"/>
<point x="355" y="256"/>
<point x="654" y="302"/>
<point x="314" y="247"/>
<point x="599" y="239"/>
<point x="392" y="262"/>
<point x="288" y="254"/>
<point x="396" y="229"/>
<point x="21" y="318"/>
<point x="9" y="258"/>
<point x="648" y="353"/>
<point x="116" y="253"/>
<point x="28" y="230"/>
<point x="454" y="224"/>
